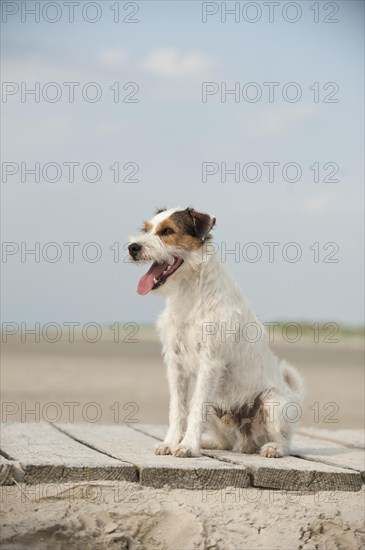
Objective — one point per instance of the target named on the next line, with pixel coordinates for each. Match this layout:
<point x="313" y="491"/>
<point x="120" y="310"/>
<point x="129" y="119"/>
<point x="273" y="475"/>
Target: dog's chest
<point x="182" y="341"/>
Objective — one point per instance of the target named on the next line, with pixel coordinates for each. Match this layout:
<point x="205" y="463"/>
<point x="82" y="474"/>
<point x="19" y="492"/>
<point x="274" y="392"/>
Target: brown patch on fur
<point x="244" y="416"/>
<point x="202" y="222"/>
<point x="228" y="420"/>
<point x="189" y="227"/>
<point x="290" y="381"/>
<point x="181" y="236"/>
<point x="147" y="226"/>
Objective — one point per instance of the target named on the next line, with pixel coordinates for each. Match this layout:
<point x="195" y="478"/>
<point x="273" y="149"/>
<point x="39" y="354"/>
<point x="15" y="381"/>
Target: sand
<point x="129" y="516"/>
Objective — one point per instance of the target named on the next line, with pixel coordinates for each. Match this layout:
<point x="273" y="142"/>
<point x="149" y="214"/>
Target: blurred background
<point x="107" y="115"/>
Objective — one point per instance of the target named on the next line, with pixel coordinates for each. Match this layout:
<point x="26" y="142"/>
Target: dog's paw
<point x="163" y="449"/>
<point x="183" y="451"/>
<point x="272" y="450"/>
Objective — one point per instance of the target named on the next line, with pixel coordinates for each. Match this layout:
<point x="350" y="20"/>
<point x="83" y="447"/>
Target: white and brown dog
<point x="242" y="393"/>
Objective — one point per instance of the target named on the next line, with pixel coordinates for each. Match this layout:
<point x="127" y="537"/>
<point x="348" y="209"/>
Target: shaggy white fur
<point x="242" y="396"/>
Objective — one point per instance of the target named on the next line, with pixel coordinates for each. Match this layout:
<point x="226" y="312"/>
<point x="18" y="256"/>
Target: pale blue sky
<point x="170" y="133"/>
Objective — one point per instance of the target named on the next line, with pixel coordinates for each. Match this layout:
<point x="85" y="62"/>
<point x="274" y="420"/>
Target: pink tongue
<point x="146" y="281"/>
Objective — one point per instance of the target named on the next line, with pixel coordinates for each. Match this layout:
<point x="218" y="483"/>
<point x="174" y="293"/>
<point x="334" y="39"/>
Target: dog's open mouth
<point x="157" y="275"/>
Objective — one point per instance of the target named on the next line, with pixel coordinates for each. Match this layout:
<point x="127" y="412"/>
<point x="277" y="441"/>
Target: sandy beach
<point x="125" y="382"/>
<point x="129" y="516"/>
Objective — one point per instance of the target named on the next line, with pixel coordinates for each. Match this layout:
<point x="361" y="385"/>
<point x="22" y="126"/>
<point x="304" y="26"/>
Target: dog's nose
<point x="134" y="248"/>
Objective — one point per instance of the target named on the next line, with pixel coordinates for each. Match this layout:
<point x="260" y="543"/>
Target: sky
<point x="134" y="131"/>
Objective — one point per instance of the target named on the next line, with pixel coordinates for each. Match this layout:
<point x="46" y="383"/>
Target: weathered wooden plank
<point x="42" y="453"/>
<point x="349" y="438"/>
<point x="288" y="473"/>
<point x="158" y="431"/>
<point x="7" y="471"/>
<point x="47" y="455"/>
<point x="322" y="450"/>
<point x="137" y="448"/>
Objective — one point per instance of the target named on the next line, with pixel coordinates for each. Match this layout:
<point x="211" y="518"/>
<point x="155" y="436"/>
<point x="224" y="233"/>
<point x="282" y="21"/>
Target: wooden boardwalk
<point x="53" y="453"/>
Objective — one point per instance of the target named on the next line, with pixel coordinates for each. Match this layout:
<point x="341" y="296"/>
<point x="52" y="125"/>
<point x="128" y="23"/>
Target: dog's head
<point x="172" y="240"/>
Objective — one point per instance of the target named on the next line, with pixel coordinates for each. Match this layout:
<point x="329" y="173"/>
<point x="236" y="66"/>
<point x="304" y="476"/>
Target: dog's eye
<point x="167" y="231"/>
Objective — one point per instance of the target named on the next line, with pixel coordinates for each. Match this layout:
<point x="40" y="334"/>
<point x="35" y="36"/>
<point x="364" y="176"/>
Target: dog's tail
<point x="293" y="380"/>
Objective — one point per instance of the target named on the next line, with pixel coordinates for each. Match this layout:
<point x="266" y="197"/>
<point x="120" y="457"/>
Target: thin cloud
<point x="281" y="119"/>
<point x="318" y="203"/>
<point x="168" y="63"/>
<point x="113" y="57"/>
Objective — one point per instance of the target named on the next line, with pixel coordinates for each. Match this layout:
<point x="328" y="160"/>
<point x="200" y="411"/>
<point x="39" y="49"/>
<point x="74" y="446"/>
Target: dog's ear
<point x="203" y="223"/>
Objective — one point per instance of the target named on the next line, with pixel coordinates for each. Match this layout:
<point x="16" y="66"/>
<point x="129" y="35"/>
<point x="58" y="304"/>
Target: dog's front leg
<point x="178" y="385"/>
<point x="204" y="390"/>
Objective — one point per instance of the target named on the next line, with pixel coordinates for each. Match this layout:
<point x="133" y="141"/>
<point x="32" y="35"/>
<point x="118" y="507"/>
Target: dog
<point x="242" y="395"/>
